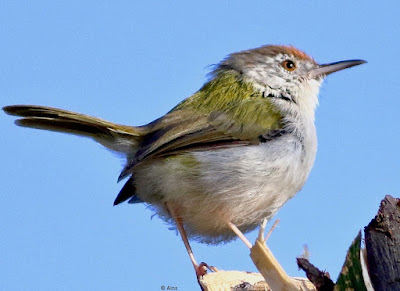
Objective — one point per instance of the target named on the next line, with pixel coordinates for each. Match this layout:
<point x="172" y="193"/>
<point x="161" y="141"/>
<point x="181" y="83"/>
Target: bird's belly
<point x="242" y="185"/>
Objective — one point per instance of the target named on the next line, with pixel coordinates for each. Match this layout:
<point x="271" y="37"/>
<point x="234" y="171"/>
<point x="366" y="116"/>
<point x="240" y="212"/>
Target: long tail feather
<point x="113" y="136"/>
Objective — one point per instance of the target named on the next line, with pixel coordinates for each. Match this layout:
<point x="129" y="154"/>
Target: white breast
<point x="242" y="185"/>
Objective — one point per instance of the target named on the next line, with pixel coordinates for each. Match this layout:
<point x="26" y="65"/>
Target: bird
<point x="226" y="157"/>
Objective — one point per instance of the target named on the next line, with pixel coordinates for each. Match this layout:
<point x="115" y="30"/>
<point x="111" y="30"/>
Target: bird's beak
<point x="326" y="69"/>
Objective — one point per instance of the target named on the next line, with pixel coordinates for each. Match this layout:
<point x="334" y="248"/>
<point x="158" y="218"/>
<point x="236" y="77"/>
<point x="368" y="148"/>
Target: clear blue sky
<point x="130" y="62"/>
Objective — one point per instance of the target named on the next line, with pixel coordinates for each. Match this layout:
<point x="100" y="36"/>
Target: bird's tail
<point x="120" y="138"/>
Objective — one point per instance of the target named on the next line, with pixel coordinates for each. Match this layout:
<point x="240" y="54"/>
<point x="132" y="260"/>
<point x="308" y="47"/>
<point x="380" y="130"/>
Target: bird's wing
<point x="186" y="130"/>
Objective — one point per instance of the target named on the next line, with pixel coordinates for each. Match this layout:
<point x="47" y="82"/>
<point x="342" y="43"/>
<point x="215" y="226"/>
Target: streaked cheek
<point x="266" y="76"/>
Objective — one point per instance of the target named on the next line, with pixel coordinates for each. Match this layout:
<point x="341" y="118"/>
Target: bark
<point x="382" y="240"/>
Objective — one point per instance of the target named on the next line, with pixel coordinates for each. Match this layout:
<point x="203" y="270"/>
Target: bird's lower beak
<point x="326" y="69"/>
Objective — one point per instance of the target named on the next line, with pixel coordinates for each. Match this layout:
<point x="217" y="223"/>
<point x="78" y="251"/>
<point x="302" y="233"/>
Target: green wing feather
<point x="225" y="112"/>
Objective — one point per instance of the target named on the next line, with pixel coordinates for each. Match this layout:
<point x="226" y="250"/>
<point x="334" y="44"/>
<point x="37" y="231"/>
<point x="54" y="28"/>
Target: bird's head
<point x="285" y="74"/>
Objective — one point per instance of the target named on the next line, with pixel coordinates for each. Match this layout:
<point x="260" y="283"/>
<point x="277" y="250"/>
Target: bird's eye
<point x="289" y="65"/>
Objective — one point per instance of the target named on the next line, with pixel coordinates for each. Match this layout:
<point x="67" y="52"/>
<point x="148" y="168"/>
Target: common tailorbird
<point x="226" y="157"/>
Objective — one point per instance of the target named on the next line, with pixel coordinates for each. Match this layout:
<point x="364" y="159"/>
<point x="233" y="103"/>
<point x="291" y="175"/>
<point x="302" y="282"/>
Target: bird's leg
<point x="200" y="269"/>
<point x="240" y="235"/>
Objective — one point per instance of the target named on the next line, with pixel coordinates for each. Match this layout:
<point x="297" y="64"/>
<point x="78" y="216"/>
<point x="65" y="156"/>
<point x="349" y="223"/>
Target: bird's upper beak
<point x="326" y="69"/>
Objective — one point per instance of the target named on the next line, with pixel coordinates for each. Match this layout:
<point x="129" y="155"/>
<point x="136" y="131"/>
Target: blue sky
<point x="130" y="63"/>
